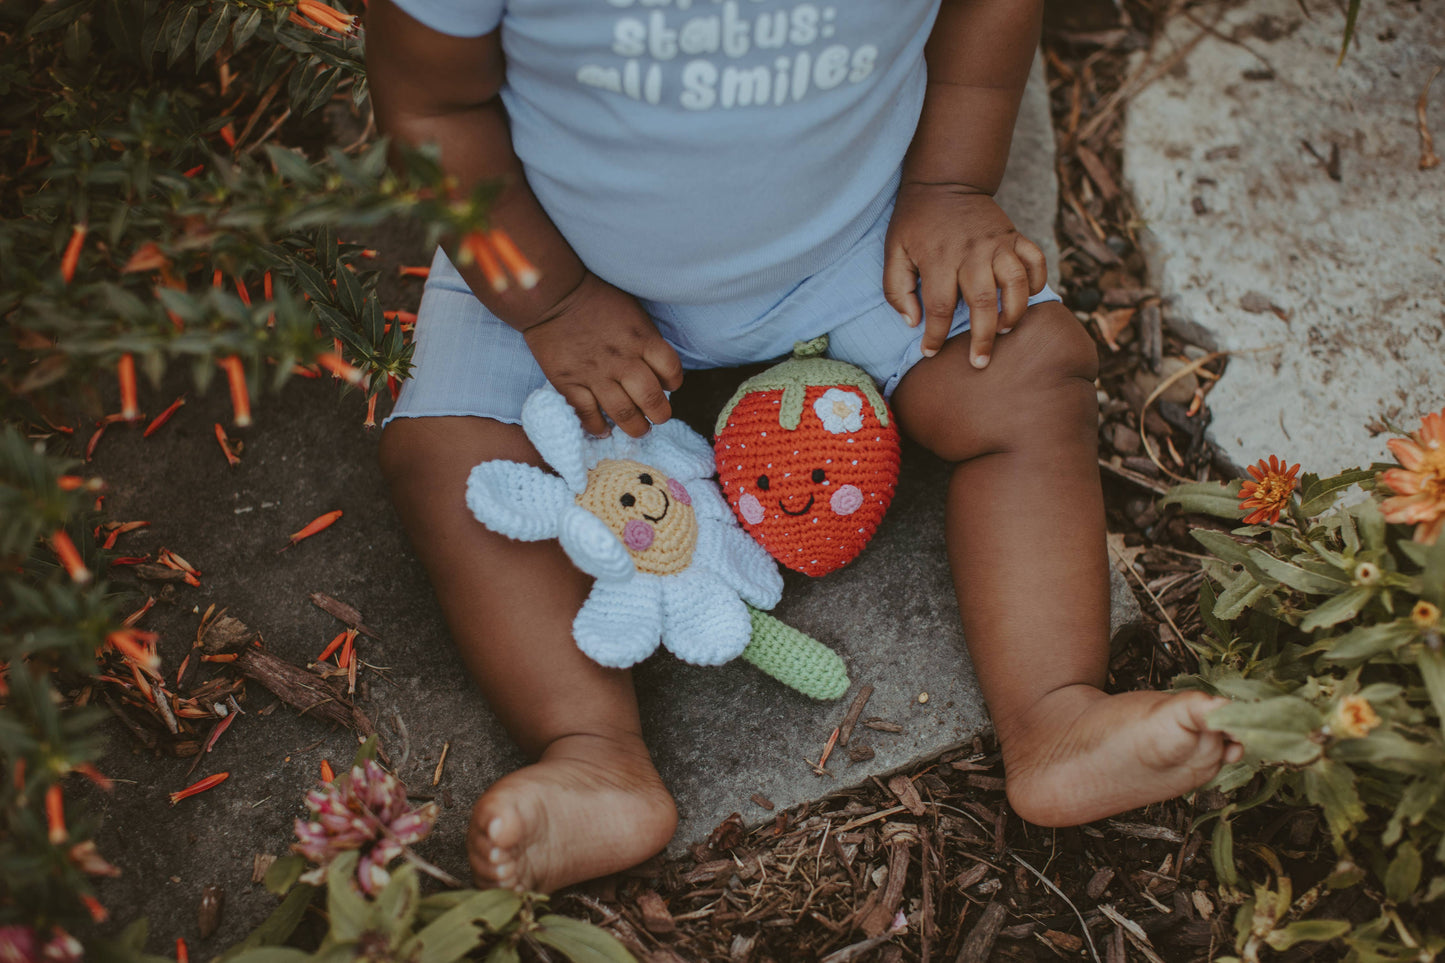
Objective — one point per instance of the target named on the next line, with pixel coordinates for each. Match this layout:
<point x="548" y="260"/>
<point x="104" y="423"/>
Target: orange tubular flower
<point x="163" y="417"/>
<point x="125" y="372"/>
<point x="1270" y="491"/>
<point x="240" y="397"/>
<point x="477" y="246"/>
<point x="199" y="787"/>
<point x="520" y="268"/>
<point x="55" y="815"/>
<point x="71" y="257"/>
<point x="225" y="444"/>
<point x="326" y="774"/>
<point x="327" y="16"/>
<point x="1419" y="484"/>
<point x="316" y="525"/>
<point x="65" y="551"/>
<point x="340" y="367"/>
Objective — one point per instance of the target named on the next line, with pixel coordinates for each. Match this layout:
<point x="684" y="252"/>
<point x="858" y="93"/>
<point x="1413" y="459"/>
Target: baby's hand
<point x="955" y="241"/>
<point x="603" y="353"/>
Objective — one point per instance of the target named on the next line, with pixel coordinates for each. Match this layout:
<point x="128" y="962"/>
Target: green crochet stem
<point x="796" y="660"/>
<point x="806" y="368"/>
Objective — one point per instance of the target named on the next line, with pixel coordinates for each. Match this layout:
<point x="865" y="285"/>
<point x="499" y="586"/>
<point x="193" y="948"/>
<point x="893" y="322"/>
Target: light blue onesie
<point x="732" y="163"/>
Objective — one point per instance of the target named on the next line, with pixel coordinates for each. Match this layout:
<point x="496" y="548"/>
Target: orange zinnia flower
<point x="1419" y="485"/>
<point x="1269" y="493"/>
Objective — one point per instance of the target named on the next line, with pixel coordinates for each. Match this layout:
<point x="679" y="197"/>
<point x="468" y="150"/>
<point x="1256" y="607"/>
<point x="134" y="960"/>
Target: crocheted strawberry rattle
<point x="807" y="455"/>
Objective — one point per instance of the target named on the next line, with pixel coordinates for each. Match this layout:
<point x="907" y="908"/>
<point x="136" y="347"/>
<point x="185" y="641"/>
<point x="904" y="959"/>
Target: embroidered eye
<point x="628" y="500"/>
<point x="818" y="475"/>
<point x="645" y="478"/>
<point x="763" y="482"/>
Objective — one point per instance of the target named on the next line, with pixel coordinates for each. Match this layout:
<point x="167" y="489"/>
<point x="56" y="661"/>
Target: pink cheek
<point x="751" y="509"/>
<point x="637" y="535"/>
<point x="678" y="491"/>
<point x="846" y="500"/>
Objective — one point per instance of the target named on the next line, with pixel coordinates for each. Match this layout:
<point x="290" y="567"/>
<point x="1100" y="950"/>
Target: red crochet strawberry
<point x="807" y="455"/>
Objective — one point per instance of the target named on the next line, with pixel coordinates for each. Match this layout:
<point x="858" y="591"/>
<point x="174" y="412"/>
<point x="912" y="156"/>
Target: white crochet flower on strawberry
<point x="840" y="411"/>
<point x="642" y="516"/>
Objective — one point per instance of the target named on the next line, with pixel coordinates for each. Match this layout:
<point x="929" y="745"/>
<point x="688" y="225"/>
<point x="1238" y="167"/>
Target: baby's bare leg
<point x="1025" y="529"/>
<point x="592" y="804"/>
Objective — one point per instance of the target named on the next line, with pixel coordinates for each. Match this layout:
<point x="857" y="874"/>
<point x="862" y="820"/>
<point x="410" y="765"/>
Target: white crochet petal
<point x="707" y="500"/>
<point x="703" y="621"/>
<point x="517" y="500"/>
<point x="678" y="451"/>
<point x="743" y="564"/>
<point x="593" y="547"/>
<point x="556" y="432"/>
<point x="620" y="623"/>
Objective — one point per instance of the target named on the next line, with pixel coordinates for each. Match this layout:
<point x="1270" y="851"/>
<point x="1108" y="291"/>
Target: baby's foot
<point x="592" y="805"/>
<point x="1084" y="755"/>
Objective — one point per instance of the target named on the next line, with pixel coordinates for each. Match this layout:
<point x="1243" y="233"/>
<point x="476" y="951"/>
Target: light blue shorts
<point x="469" y="362"/>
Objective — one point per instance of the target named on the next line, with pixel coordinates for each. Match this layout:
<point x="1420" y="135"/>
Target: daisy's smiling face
<point x="651" y="513"/>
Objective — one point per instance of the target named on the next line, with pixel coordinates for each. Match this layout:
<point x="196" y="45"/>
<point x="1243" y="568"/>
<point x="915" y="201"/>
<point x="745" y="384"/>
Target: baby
<point x="703" y="183"/>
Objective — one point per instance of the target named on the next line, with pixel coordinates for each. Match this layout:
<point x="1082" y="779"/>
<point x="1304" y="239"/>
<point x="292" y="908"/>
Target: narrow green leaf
<point x="311" y="281"/>
<point x="1344" y="606"/>
<point x="349" y="296"/>
<point x="293" y="167"/>
<point x="1318" y="931"/>
<point x="1432" y="579"/>
<point x="1432" y="672"/>
<point x="284" y="873"/>
<point x="212" y="33"/>
<point x="346" y="907"/>
<point x="455" y="933"/>
<point x="1295" y="577"/>
<point x="1206" y="498"/>
<point x="581" y="942"/>
<point x="504" y="953"/>
<point x="188" y="19"/>
<point x="1366" y="642"/>
<point x="1331" y="786"/>
<point x="56" y="14"/>
<point x="246" y="26"/>
<point x="1222" y="851"/>
<point x="366" y="751"/>
<point x="1403" y="875"/>
<point x="277" y="927"/>
<point x="1319" y="494"/>
<point x="1238" y="595"/>
<point x="1351" y="12"/>
<point x="1221" y="545"/>
<point x="1278" y="729"/>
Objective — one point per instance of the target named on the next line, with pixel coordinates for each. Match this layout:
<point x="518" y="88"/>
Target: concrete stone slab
<point x="1029" y="193"/>
<point x="1288" y="220"/>
<point x="718" y="735"/>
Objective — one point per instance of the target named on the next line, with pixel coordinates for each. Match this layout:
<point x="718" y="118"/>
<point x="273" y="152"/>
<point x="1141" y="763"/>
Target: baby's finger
<point x="900" y="284"/>
<point x="980" y="292"/>
<point x="643" y="388"/>
<point x="1012" y="279"/>
<point x="585" y="404"/>
<point x="663" y="361"/>
<point x="1034" y="262"/>
<point x="623" y="411"/>
<point x="940" y="301"/>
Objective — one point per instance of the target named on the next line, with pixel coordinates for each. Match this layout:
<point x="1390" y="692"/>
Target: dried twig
<point x="1088" y="937"/>
<point x="1428" y="158"/>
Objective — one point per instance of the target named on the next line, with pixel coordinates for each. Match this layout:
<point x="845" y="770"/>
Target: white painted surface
<point x="1357" y="264"/>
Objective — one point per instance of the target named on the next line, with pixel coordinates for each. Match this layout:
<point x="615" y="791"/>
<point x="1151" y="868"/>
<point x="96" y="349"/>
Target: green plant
<point x="157" y="209"/>
<point x="1326" y="630"/>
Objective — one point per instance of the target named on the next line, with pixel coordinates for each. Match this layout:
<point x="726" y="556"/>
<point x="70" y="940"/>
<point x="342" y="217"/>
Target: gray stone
<point x="1029" y="193"/>
<point x="1328" y="287"/>
<point x="718" y="736"/>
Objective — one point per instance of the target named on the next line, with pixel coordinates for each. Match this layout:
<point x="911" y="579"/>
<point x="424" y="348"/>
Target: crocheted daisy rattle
<point x="642" y="517"/>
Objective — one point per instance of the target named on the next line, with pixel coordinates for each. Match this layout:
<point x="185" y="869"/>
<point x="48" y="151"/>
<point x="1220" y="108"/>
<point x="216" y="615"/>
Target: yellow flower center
<point x="1274" y="490"/>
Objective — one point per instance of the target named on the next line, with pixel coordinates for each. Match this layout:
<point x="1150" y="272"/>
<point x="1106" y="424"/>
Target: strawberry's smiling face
<point x="812" y="496"/>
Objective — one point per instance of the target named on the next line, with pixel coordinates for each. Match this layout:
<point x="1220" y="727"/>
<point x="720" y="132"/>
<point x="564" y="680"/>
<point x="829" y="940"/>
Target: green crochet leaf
<point x="806" y="368"/>
<point x="797" y="660"/>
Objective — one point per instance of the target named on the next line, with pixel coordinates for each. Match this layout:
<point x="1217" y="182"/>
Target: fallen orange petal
<point x="315" y="525"/>
<point x="71" y="257"/>
<point x="125" y="372"/>
<point x="225" y="444"/>
<point x="163" y="417"/>
<point x="210" y="782"/>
